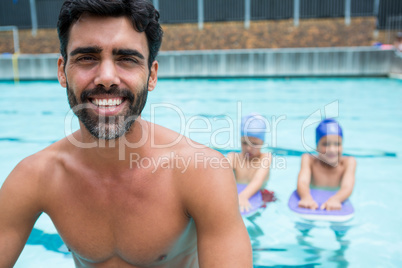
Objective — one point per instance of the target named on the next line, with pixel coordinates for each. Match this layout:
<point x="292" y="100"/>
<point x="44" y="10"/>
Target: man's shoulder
<point x="164" y="138"/>
<point x="31" y="175"/>
<point x="233" y="154"/>
<point x="199" y="171"/>
<point x="202" y="161"/>
<point x="208" y="173"/>
<point x="201" y="157"/>
<point x="43" y="161"/>
<point x="189" y="158"/>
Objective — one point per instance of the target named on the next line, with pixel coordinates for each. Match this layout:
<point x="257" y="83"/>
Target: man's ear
<point x="61" y="76"/>
<point x="153" y="76"/>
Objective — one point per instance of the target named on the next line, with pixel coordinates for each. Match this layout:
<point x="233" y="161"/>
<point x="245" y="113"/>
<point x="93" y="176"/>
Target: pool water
<point x="35" y="114"/>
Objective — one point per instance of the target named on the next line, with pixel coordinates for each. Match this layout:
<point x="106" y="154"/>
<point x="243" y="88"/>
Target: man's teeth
<point x="107" y="102"/>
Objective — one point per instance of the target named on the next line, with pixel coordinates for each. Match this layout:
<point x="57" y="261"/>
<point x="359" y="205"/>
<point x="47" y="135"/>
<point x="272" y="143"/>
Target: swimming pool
<point x="32" y="116"/>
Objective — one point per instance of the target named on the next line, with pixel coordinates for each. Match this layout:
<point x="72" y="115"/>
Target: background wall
<point x="228" y="24"/>
<point x="232" y="35"/>
<point x="283" y="62"/>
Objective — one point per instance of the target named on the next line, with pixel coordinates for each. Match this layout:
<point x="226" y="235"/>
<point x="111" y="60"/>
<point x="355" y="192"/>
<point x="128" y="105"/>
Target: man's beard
<point x="108" y="127"/>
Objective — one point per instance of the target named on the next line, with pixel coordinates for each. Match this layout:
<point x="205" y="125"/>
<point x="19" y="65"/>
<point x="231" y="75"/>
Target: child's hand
<point x="332" y="204"/>
<point x="244" y="204"/>
<point x="308" y="203"/>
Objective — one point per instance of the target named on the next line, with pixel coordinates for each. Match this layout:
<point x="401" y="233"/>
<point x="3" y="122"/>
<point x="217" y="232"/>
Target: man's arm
<point x="19" y="211"/>
<point x="303" y="184"/>
<point x="256" y="183"/>
<point x="211" y="199"/>
<point x="347" y="184"/>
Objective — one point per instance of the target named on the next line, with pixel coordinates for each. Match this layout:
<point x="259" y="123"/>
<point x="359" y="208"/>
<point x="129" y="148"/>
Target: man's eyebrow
<point x="85" y="50"/>
<point x="128" y="52"/>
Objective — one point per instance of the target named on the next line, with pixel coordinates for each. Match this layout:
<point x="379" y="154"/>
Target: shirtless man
<point x="110" y="210"/>
<point x="330" y="170"/>
<point x="251" y="166"/>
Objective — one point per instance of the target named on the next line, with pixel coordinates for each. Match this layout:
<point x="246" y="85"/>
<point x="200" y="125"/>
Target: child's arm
<point x="347" y="184"/>
<point x="256" y="183"/>
<point x="303" y="184"/>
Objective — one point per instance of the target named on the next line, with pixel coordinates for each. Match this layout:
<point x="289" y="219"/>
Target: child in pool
<point x="330" y="170"/>
<point x="251" y="166"/>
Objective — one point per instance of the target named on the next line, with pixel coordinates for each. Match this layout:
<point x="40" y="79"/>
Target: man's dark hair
<point x="142" y="13"/>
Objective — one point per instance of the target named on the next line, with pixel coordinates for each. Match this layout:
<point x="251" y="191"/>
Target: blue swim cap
<point x="253" y="125"/>
<point x="327" y="127"/>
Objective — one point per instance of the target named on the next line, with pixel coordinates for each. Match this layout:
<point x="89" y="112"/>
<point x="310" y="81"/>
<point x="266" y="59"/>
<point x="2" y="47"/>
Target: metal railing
<point x="43" y="13"/>
<point x="14" y="57"/>
<point x="16" y="40"/>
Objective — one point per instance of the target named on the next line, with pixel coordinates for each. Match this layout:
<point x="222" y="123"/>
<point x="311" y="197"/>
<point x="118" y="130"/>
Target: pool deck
<point x="286" y="62"/>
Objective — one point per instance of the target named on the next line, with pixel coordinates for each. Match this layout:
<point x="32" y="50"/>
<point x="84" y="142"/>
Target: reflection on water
<point x="314" y="253"/>
<point x="317" y="243"/>
<point x="254" y="231"/>
<point x="52" y="242"/>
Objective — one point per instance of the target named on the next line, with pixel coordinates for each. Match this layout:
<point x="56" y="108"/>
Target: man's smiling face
<point x="106" y="74"/>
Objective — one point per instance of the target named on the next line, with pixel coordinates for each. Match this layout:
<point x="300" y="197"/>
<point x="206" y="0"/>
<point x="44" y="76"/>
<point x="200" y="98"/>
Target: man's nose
<point x="107" y="75"/>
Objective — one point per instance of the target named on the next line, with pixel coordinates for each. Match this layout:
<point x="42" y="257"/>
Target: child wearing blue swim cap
<point x="251" y="166"/>
<point x="330" y="169"/>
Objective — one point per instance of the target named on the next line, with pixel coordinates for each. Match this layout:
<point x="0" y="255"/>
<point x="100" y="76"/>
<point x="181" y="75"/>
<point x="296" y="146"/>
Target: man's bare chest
<point x="140" y="226"/>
